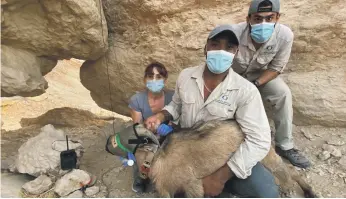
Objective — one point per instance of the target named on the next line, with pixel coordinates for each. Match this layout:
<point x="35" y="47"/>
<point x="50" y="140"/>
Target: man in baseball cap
<point x="264" y="51"/>
<point x="213" y="91"/>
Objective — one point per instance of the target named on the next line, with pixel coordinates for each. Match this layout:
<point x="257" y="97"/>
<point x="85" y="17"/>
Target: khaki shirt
<point x="274" y="54"/>
<point x="234" y="98"/>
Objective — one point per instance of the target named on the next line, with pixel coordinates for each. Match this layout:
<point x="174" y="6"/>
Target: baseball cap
<point x="221" y="28"/>
<point x="255" y="3"/>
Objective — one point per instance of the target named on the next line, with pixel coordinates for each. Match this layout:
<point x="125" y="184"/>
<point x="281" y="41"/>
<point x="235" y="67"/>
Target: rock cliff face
<point x="40" y="33"/>
<point x="175" y="32"/>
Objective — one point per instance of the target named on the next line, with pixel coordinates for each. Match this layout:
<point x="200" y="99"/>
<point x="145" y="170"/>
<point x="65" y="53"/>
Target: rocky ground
<point x="327" y="175"/>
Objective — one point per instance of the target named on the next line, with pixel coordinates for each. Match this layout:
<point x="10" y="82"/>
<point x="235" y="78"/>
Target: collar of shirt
<point x="229" y="83"/>
<point x="246" y="40"/>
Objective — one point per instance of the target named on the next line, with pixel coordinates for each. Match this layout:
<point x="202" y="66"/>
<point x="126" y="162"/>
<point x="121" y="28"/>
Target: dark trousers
<point x="260" y="184"/>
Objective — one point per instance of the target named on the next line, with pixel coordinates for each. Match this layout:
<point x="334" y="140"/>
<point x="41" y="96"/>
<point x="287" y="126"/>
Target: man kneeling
<point x="213" y="91"/>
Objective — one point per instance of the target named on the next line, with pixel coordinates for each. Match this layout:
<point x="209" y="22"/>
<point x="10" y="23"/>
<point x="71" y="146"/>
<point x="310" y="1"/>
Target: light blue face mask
<point x="218" y="61"/>
<point x="155" y="86"/>
<point x="262" y="32"/>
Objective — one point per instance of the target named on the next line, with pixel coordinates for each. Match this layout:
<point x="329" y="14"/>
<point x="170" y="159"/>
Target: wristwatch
<point x="256" y="83"/>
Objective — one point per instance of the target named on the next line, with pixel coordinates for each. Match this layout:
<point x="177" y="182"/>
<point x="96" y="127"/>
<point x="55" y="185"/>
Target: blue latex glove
<point x="164" y="129"/>
<point x="129" y="161"/>
<point x="130" y="156"/>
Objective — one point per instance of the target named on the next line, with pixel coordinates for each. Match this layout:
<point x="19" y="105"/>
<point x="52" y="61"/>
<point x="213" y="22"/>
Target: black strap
<point x="139" y="140"/>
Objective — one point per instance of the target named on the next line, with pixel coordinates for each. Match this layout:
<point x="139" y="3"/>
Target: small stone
<point x="76" y="194"/>
<point x="320" y="172"/>
<point x="71" y="182"/>
<point x="92" y="191"/>
<point x="319" y="195"/>
<point x="332" y="150"/>
<point x="330" y="171"/>
<point x="103" y="192"/>
<point x="336" y="142"/>
<point x="39" y="185"/>
<point x="324" y="155"/>
<point x="342" y="175"/>
<point x="318" y="135"/>
<point x="306" y="134"/>
<point x="342" y="161"/>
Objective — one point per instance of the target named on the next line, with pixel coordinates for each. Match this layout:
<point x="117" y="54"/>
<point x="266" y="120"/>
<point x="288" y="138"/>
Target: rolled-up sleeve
<point x="174" y="107"/>
<point x="253" y="122"/>
<point x="283" y="55"/>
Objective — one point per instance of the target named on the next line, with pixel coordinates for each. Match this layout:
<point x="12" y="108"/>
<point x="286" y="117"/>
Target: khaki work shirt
<point x="234" y="98"/>
<point x="274" y="54"/>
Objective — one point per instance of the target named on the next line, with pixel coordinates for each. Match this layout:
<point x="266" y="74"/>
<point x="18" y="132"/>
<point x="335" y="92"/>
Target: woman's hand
<point x="164" y="129"/>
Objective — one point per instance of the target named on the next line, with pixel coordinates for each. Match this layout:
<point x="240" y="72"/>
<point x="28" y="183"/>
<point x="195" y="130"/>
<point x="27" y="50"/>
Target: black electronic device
<point x="68" y="158"/>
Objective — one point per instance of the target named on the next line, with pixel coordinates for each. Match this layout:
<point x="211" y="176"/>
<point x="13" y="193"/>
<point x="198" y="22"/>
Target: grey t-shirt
<point x="139" y="102"/>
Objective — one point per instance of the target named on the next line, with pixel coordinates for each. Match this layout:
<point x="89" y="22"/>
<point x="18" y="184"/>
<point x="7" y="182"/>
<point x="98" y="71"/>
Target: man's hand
<point x="152" y="122"/>
<point x="214" y="183"/>
<point x="267" y="76"/>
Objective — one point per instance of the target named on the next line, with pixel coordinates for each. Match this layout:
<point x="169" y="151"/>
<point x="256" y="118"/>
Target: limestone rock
<point x="332" y="150"/>
<point x="6" y="163"/>
<point x="76" y="194"/>
<point x="22" y="71"/>
<point x="322" y="99"/>
<point x="306" y="134"/>
<point x="175" y="34"/>
<point x="324" y="155"/>
<point x="342" y="161"/>
<point x="39" y="185"/>
<point x="71" y="182"/>
<point x="92" y="191"/>
<point x="320" y="172"/>
<point x="38" y="33"/>
<point x="57" y="29"/>
<point x="102" y="193"/>
<point x="336" y="142"/>
<point x="37" y="155"/>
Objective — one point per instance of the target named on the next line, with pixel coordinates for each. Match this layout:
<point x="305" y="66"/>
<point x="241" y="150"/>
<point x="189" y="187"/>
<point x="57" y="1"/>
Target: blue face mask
<point x="218" y="61"/>
<point x="155" y="86"/>
<point x="262" y="32"/>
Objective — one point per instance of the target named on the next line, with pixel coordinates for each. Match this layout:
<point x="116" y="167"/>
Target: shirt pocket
<point x="188" y="105"/>
<point x="264" y="60"/>
<point x="221" y="111"/>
